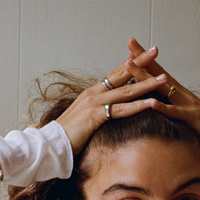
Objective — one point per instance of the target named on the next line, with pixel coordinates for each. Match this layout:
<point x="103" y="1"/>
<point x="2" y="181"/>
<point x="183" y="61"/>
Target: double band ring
<point x="172" y="91"/>
<point x="107" y="110"/>
<point x="107" y="84"/>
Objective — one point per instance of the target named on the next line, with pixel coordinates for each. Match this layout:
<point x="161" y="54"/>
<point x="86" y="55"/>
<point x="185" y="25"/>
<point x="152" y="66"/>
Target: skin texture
<point x="88" y="109"/>
<point x="185" y="105"/>
<point x="145" y="169"/>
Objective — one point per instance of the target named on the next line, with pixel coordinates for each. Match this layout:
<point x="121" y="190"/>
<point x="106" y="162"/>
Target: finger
<point x="127" y="109"/>
<point x="177" y="112"/>
<point x="139" y="73"/>
<point x="142" y="74"/>
<point x="120" y="76"/>
<point x="135" y="48"/>
<point x="132" y="91"/>
<point x="145" y="58"/>
<point x="131" y="55"/>
<point x="117" y="77"/>
<point x="153" y="68"/>
<point x="170" y="111"/>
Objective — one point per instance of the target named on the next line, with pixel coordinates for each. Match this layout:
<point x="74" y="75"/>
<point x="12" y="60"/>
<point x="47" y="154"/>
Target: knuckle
<point x="89" y="99"/>
<point x="126" y="89"/>
<point x="138" y="61"/>
<point x="118" y="72"/>
<point x="135" y="106"/>
<point x="86" y="93"/>
<point x="118" y="108"/>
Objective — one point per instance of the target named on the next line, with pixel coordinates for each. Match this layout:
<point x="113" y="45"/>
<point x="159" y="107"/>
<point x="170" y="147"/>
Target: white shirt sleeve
<point x="36" y="155"/>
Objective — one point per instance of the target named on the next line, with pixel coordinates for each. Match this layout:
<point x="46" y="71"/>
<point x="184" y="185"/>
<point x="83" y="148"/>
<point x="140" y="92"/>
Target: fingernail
<point x="147" y="101"/>
<point x="160" y="77"/>
<point x="151" y="50"/>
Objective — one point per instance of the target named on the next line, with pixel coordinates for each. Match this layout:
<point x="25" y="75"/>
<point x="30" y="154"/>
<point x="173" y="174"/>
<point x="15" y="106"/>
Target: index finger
<point x="153" y="68"/>
<point x="120" y="76"/>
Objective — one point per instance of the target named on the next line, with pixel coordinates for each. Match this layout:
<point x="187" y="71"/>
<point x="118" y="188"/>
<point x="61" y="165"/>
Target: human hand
<point x="185" y="105"/>
<point x="87" y="112"/>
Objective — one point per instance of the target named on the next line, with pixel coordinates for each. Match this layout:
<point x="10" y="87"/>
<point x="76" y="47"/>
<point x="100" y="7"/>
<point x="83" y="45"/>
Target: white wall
<point x="37" y="36"/>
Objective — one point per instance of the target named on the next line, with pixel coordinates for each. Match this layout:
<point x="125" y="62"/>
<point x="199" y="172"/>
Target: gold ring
<point x="172" y="91"/>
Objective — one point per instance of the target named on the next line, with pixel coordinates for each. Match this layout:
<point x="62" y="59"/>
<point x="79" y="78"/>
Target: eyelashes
<point x="188" y="197"/>
<point x="182" y="197"/>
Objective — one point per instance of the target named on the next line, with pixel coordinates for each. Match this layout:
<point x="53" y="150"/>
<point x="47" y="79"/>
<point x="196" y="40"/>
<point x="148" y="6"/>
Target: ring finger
<point x="119" y="76"/>
<point x="142" y="74"/>
<point x="132" y="91"/>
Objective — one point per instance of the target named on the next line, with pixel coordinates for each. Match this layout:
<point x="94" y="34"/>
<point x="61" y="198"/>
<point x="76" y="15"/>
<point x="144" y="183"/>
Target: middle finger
<point x="119" y="76"/>
<point x="142" y="74"/>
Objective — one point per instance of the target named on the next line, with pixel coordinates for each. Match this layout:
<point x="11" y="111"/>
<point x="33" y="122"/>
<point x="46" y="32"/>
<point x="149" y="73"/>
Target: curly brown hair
<point x="113" y="134"/>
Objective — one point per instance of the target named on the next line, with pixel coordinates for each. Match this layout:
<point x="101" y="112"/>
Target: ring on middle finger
<point x="107" y="84"/>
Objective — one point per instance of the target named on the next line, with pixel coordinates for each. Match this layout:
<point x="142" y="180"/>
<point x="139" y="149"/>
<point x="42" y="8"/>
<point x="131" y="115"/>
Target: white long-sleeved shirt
<point x="35" y="155"/>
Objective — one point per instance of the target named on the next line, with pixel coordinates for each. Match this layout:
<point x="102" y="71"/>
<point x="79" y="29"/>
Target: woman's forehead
<point x="145" y="150"/>
<point x="149" y="163"/>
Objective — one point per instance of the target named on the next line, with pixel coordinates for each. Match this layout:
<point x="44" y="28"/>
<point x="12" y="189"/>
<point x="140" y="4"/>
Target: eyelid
<point x="193" y="196"/>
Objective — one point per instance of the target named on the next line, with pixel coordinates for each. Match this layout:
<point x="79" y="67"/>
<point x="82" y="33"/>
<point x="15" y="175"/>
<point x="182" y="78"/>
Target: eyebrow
<point x="187" y="184"/>
<point x="121" y="186"/>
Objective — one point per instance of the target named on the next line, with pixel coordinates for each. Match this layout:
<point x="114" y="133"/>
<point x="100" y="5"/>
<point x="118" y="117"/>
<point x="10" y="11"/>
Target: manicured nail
<point x="160" y="77"/>
<point x="151" y="50"/>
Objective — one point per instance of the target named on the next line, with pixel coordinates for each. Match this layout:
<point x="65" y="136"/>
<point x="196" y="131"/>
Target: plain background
<point x="37" y="36"/>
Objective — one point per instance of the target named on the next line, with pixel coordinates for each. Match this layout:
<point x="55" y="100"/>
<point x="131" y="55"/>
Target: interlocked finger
<point x="136" y="50"/>
<point x="107" y="84"/>
<point x="170" y="111"/>
<point x="132" y="91"/>
<point x="153" y="68"/>
<point x="142" y="74"/>
<point x="120" y="76"/>
<point x="122" y="110"/>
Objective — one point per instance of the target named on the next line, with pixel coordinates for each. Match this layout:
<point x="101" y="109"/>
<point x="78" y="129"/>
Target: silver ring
<point x="1" y="175"/>
<point x="107" y="84"/>
<point x="107" y="110"/>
